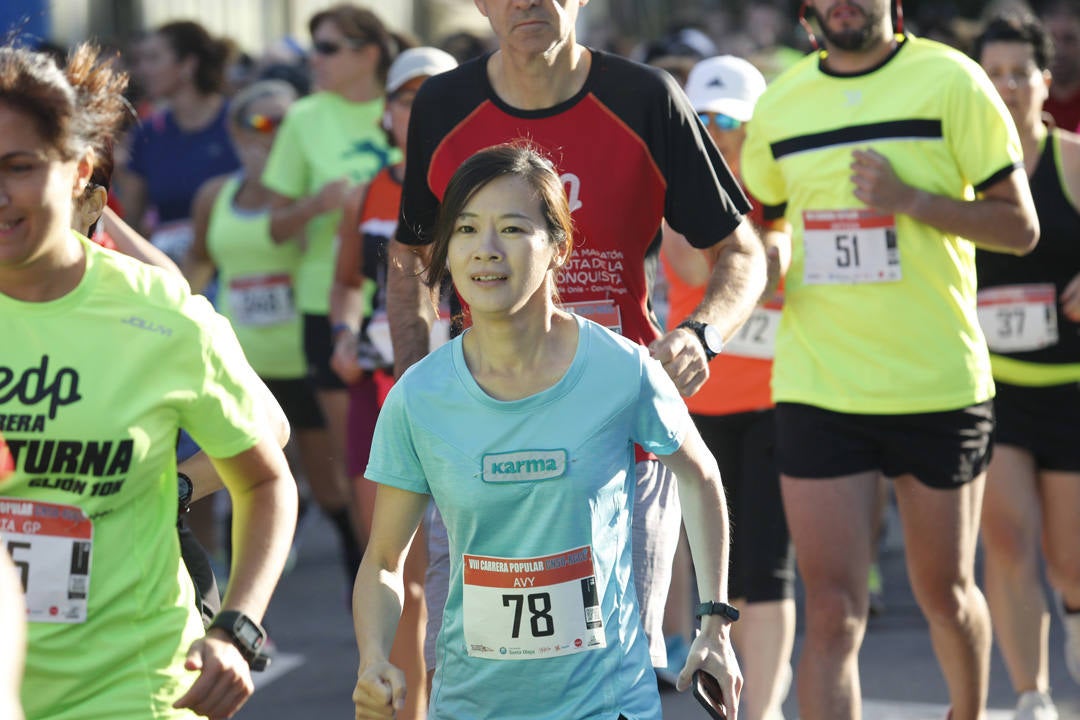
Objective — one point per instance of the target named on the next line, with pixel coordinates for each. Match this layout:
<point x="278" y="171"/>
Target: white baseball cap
<point x="417" y="62"/>
<point x="725" y="84"/>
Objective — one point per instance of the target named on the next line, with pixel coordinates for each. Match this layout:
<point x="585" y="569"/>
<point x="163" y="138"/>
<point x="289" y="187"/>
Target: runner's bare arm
<point x="288" y="216"/>
<point x="198" y="266"/>
<point x="378" y="596"/>
<point x="776" y="235"/>
<point x="264" y="514"/>
<point x="1001" y="219"/>
<point x="735" y="285"/>
<point x="13" y="637"/>
<point x="704" y="504"/>
<point x="346" y="290"/>
<point x="200" y="469"/>
<point x="131" y="189"/>
<point x="131" y="243"/>
<point x="690" y="264"/>
<point x="409" y="308"/>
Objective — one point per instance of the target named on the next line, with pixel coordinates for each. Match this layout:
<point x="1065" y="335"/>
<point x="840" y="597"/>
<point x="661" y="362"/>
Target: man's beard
<point x="853" y="39"/>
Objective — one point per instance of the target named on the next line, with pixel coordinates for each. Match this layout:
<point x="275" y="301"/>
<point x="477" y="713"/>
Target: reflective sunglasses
<point x="723" y="122"/>
<point x="264" y="124"/>
<point x="328" y="47"/>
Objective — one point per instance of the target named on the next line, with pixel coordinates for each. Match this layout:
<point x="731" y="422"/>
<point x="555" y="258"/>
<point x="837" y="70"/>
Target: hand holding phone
<point x="708" y="693"/>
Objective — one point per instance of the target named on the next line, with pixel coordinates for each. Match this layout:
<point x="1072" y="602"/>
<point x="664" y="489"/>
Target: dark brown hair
<point x="75" y="109"/>
<point x="516" y="159"/>
<point x="362" y="26"/>
<point x="1017" y="28"/>
<point x="190" y="39"/>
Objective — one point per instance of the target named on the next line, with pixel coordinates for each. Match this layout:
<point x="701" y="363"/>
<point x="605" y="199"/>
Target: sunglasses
<point x="328" y="47"/>
<point x="723" y="122"/>
<point x="264" y="124"/>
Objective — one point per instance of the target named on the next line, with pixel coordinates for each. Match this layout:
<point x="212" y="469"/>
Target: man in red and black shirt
<point x="631" y="152"/>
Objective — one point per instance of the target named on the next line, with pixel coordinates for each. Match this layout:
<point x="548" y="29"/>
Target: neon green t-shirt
<point x="325" y="137"/>
<point x="93" y="388"/>
<point x="256" y="277"/>
<point x="879" y="312"/>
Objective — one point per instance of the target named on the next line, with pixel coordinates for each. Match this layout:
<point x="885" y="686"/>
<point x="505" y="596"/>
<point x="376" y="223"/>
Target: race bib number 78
<point x="530" y="608"/>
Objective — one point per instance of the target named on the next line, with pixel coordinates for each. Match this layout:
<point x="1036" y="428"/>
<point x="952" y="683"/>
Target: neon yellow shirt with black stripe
<point x="256" y="278"/>
<point x="324" y="138"/>
<point x="911" y="345"/>
<point x="110" y="371"/>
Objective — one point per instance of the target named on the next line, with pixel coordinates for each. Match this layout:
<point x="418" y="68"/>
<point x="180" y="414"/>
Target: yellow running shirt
<point x="325" y="138"/>
<point x="879" y="313"/>
<point x="93" y="387"/>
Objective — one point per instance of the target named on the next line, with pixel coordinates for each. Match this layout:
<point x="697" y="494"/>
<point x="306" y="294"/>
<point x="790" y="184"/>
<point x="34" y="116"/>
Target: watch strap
<point x="717" y="608"/>
<point x="698" y="328"/>
<point x="228" y="622"/>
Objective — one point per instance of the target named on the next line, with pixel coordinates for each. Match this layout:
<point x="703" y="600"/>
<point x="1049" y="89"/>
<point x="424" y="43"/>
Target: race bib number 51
<point x="845" y="247"/>
<point x="50" y="546"/>
<point x="531" y="608"/>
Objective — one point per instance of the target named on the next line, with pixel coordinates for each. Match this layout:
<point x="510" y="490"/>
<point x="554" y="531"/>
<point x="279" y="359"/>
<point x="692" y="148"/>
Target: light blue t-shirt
<point x="542" y="619"/>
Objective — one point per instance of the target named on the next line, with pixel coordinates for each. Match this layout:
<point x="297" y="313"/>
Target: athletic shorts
<point x="318" y="347"/>
<point x="657" y="520"/>
<point x="296" y="397"/>
<point x="366" y="396"/>
<point x="1045" y="421"/>
<point x="762" y="567"/>
<point x="943" y="450"/>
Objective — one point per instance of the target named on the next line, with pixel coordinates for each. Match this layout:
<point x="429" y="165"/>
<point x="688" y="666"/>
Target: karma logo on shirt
<point x="524" y="466"/>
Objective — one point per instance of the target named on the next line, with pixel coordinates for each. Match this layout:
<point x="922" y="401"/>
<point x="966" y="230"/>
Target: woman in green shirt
<point x="329" y="141"/>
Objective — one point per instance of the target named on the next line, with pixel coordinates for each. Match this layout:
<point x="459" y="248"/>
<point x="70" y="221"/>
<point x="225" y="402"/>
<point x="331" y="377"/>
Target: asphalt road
<point x="315" y="667"/>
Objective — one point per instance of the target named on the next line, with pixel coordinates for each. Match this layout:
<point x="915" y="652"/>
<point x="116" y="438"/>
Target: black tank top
<point x="1055" y="259"/>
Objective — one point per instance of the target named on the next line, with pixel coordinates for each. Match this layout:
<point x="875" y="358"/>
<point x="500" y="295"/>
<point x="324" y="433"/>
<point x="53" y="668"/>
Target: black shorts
<point x="942" y="449"/>
<point x="317" y="351"/>
<point x="297" y="398"/>
<point x="762" y="559"/>
<point x="1045" y="421"/>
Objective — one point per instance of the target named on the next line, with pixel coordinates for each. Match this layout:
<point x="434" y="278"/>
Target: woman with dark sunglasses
<point x="329" y="142"/>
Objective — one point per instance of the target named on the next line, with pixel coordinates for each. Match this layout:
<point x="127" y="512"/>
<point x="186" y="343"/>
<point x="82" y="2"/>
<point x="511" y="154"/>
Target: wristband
<point x="338" y="328"/>
<point x="717" y="608"/>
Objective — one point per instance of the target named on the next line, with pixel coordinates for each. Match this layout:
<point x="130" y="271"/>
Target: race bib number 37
<point x="1019" y="318"/>
<point x="50" y="546"/>
<point x="845" y="247"/>
<point x="531" y="608"/>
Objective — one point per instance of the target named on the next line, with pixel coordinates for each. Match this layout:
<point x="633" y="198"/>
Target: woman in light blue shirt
<point x="522" y="430"/>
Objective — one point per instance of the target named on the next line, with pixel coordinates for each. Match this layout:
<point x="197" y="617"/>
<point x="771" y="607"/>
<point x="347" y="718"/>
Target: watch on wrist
<point x="717" y="608"/>
<point x="247" y="635"/>
<point x="185" y="490"/>
<point x="337" y="329"/>
<point x="711" y="340"/>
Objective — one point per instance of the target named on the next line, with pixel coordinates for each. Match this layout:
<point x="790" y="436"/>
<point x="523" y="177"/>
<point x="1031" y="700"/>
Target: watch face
<point x="248" y="634"/>
<point x="713" y="339"/>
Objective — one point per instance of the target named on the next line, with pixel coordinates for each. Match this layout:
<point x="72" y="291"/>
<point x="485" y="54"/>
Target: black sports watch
<point x="248" y="636"/>
<point x="717" y="608"/>
<point x="711" y="340"/>
<point x="185" y="489"/>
